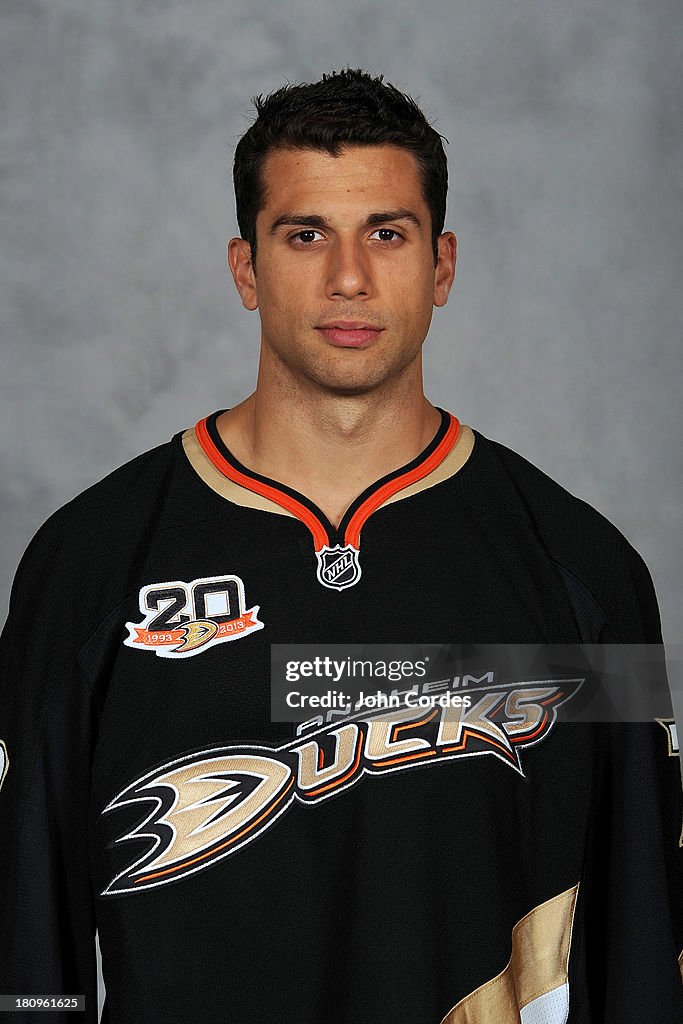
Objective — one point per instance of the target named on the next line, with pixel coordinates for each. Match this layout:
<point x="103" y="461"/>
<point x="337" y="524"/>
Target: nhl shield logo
<point x="338" y="567"/>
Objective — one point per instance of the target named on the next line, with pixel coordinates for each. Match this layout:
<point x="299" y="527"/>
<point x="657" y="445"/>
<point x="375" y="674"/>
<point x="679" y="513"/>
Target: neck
<point x="326" y="446"/>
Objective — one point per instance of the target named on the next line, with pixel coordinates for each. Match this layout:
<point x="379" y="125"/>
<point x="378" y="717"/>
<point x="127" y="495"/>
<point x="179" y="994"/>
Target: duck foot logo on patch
<point x="338" y="567"/>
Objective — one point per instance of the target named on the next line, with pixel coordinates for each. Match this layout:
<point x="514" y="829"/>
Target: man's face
<point x="345" y="279"/>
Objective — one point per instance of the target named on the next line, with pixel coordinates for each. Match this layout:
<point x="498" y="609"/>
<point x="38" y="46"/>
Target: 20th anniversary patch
<point x="183" y="619"/>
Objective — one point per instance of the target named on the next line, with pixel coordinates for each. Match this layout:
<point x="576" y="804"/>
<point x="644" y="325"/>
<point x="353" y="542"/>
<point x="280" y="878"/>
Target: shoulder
<point x="584" y="542"/>
<point x="543" y="496"/>
<point x="115" y="496"/>
<point x="89" y="537"/>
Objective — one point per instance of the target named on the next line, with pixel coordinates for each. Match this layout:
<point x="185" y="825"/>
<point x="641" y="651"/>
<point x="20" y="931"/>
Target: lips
<point x="350" y="333"/>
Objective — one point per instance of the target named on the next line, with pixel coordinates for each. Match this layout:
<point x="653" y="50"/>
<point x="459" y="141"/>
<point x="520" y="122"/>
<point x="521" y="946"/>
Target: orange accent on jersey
<point x="360" y="517"/>
<point x="531" y="735"/>
<point x="352" y="533"/>
<point x="158" y="637"/>
<point x="408" y="757"/>
<point x="352" y="770"/>
<point x="291" y="504"/>
<point x="467" y="734"/>
<point x="539" y="729"/>
<point x="412" y="725"/>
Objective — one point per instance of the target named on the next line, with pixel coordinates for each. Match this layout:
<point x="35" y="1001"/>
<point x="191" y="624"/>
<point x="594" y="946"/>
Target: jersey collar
<point x="359" y="511"/>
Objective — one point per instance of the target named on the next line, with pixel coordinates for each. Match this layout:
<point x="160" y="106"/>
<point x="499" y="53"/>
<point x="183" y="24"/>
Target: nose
<point x="348" y="271"/>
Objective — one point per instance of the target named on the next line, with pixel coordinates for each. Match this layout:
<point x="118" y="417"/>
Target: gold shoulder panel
<point x="540" y="956"/>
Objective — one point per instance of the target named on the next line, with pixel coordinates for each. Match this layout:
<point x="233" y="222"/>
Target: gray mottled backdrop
<point x="562" y="334"/>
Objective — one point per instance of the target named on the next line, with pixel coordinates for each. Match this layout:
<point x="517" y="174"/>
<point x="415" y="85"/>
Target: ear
<point x="242" y="269"/>
<point x="444" y="272"/>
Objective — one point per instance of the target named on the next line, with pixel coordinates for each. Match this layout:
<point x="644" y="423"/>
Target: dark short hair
<point x="345" y="108"/>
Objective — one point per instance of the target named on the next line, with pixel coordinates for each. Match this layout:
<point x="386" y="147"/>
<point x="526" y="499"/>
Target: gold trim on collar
<point x="223" y="485"/>
<point x="205" y="469"/>
<point x="454" y="461"/>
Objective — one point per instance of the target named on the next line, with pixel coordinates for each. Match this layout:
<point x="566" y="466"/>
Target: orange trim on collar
<point x="360" y="516"/>
<point x="300" y="511"/>
<point x="372" y="503"/>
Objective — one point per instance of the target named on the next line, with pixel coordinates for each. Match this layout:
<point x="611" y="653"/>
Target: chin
<point x="348" y="388"/>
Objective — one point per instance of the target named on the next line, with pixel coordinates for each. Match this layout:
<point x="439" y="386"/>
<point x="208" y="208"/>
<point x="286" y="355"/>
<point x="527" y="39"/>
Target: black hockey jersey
<point x="360" y="868"/>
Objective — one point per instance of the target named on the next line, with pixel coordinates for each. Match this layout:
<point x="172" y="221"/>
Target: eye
<point x="306" y="236"/>
<point x="385" y="234"/>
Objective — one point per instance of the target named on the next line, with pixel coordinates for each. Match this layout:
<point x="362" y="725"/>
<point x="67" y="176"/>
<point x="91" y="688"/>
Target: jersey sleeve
<point x="638" y="933"/>
<point x="630" y="904"/>
<point x="48" y="723"/>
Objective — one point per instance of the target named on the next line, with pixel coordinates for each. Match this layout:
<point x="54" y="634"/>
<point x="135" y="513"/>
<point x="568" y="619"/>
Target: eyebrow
<point x="312" y="220"/>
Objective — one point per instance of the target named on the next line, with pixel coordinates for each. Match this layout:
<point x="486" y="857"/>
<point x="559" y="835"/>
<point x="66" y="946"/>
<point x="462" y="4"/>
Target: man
<point x="493" y="866"/>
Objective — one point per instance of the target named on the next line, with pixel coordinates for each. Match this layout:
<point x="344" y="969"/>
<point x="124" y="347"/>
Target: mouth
<point x="350" y="333"/>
